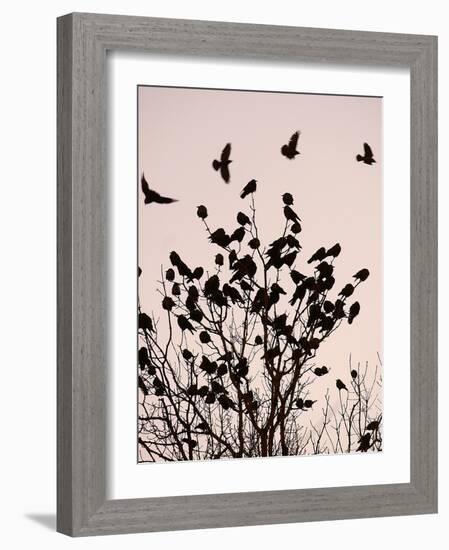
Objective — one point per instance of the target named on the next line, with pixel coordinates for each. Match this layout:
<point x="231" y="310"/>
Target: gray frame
<point x="83" y="40"/>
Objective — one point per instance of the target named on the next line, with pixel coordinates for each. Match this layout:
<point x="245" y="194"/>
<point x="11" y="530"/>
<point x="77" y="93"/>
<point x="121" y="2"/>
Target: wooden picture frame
<point x="83" y="40"/>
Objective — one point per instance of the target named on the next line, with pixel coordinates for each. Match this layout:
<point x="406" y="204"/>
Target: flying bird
<point x="368" y="157"/>
<point x="289" y="150"/>
<point x="223" y="163"/>
<point x="153" y="196"/>
<point x="249" y="188"/>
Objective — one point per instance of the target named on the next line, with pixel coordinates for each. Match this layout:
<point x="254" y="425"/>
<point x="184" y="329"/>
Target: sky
<point x="180" y="132"/>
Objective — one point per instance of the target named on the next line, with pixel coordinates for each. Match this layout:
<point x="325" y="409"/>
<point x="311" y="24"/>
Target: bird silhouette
<point x="238" y="235"/>
<point x="201" y="211"/>
<point x="354" y="310"/>
<point x="334" y="251"/>
<point x="367" y="157"/>
<point x="296" y="228"/>
<point x="153" y="196"/>
<point x="373" y="425"/>
<point x="296" y="276"/>
<point x="364" y="443"/>
<point x="289" y="150"/>
<point x="223" y="163"/>
<point x="185" y="324"/>
<point x="340" y="385"/>
<point x="318" y="256"/>
<point x="170" y="274"/>
<point x="243" y="219"/>
<point x="167" y="303"/>
<point x="249" y="188"/>
<point x="287" y="199"/>
<point x="291" y="215"/>
<point x="183" y="269"/>
<point x="219" y="260"/>
<point x="198" y="272"/>
<point x="346" y="291"/>
<point x="145" y="322"/>
<point x="362" y="275"/>
<point x="254" y="243"/>
<point x="354" y="374"/>
<point x="220" y="237"/>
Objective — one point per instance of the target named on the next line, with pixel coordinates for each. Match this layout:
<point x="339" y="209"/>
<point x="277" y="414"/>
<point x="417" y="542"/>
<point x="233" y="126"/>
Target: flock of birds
<point x="288" y="150"/>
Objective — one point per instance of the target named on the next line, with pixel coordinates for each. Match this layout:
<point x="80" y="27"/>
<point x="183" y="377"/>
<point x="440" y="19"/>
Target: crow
<point x="196" y="315"/>
<point x="170" y="274"/>
<point x="243" y="219"/>
<point x="167" y="303"/>
<point x="346" y="291"/>
<point x="318" y="256"/>
<point x="362" y="275"/>
<point x="291" y="215"/>
<point x="290" y="258"/>
<point x="183" y="269"/>
<point x="334" y="250"/>
<point x="220" y="237"/>
<point x="176" y="289"/>
<point x="232" y="258"/>
<point x="201" y="211"/>
<point x="198" y="272"/>
<point x="249" y="188"/>
<point x="260" y="301"/>
<point x="254" y="243"/>
<point x="368" y="157"/>
<point x="223" y="163"/>
<point x="299" y="294"/>
<point x="354" y="374"/>
<point x="211" y="285"/>
<point x="204" y="337"/>
<point x="185" y="324"/>
<point x="145" y="322"/>
<point x="219" y="260"/>
<point x="144" y="360"/>
<point x="295" y="228"/>
<point x="296" y="276"/>
<point x="340" y="385"/>
<point x="373" y="425"/>
<point x="287" y="198"/>
<point x="289" y="150"/>
<point x="238" y="235"/>
<point x="243" y="267"/>
<point x="232" y="293"/>
<point x="153" y="196"/>
<point x="364" y="443"/>
<point x="354" y="310"/>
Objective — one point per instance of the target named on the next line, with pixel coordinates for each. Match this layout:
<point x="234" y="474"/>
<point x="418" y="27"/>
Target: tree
<point x="233" y="377"/>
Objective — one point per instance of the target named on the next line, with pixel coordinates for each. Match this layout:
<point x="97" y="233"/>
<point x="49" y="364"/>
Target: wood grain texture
<point x="83" y="40"/>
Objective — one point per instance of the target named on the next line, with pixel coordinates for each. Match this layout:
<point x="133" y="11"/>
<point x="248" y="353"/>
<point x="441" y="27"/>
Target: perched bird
<point x="258" y="340"/>
<point x="223" y="163"/>
<point x="318" y="256"/>
<point x="346" y="291"/>
<point x="176" y="289"/>
<point x="222" y="370"/>
<point x="220" y="237"/>
<point x="289" y="259"/>
<point x="249" y="188"/>
<point x="210" y="398"/>
<point x="292" y="242"/>
<point x="246" y="287"/>
<point x="153" y="196"/>
<point x="289" y="150"/>
<point x="243" y="267"/>
<point x="328" y="306"/>
<point x="340" y="385"/>
<point x="308" y="403"/>
<point x="334" y="250"/>
<point x="232" y="293"/>
<point x="295" y="228"/>
<point x="232" y="258"/>
<point x="203" y="426"/>
<point x="291" y="215"/>
<point x="145" y="322"/>
<point x="198" y="272"/>
<point x="287" y="199"/>
<point x="373" y="425"/>
<point x="226" y="402"/>
<point x="368" y="157"/>
<point x="190" y="442"/>
<point x="362" y="275"/>
<point x="201" y="212"/>
<point x="187" y="354"/>
<point x="364" y="443"/>
<point x="243" y="219"/>
<point x="299" y="403"/>
<point x="298" y="294"/>
<point x="211" y="285"/>
<point x="354" y="310"/>
<point x="354" y="374"/>
<point x="170" y="274"/>
<point x="183" y="269"/>
<point x="238" y="235"/>
<point x="142" y="386"/>
<point x="185" y="324"/>
<point x="196" y="315"/>
<point x="139" y="271"/>
<point x="324" y="369"/>
<point x="208" y="366"/>
<point x="321" y="371"/>
<point x="296" y="276"/>
<point x="167" y="303"/>
<point x="204" y="337"/>
<point x="219" y="260"/>
<point x="254" y="243"/>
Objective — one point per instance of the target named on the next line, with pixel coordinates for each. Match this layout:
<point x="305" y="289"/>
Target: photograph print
<point x="260" y="274"/>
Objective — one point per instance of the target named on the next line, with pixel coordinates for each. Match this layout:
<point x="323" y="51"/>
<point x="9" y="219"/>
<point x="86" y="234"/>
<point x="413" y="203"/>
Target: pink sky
<point x="338" y="199"/>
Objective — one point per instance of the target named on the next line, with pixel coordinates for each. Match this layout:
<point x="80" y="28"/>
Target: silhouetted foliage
<point x="233" y="377"/>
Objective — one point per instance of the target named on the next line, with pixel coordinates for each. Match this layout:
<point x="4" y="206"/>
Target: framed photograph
<point x="247" y="274"/>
